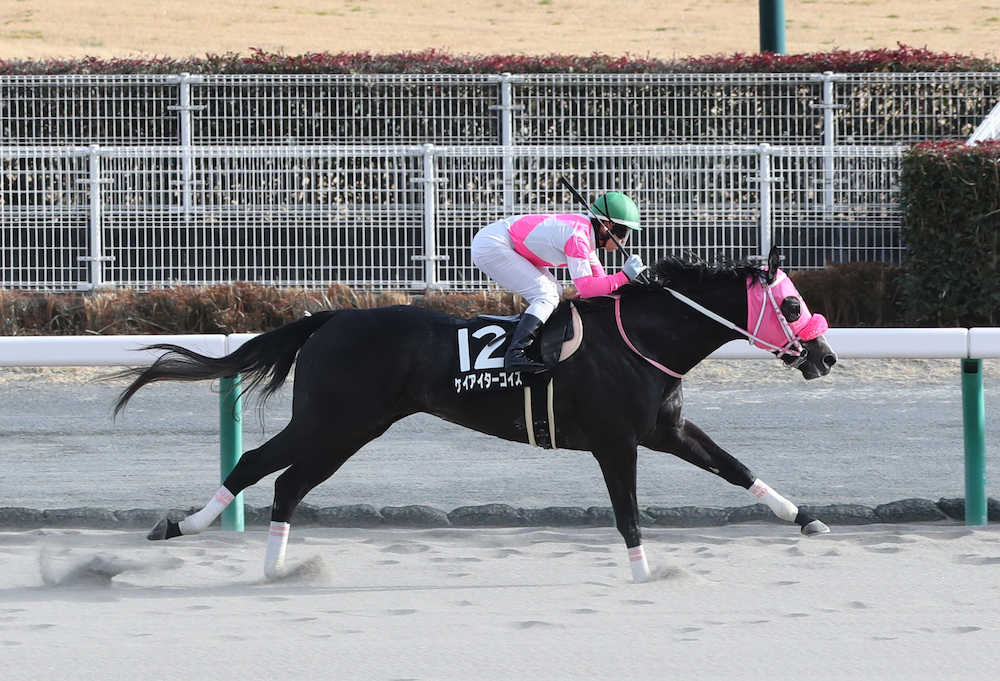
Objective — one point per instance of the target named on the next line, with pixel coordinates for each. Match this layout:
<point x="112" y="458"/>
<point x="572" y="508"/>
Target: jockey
<point x="516" y="252"/>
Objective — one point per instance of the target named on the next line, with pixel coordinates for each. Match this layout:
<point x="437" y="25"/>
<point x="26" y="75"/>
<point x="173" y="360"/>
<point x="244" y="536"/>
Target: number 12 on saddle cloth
<point x="481" y="347"/>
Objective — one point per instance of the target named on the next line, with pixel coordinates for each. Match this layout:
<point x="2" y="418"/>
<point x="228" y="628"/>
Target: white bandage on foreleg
<point x="637" y="559"/>
<point x="277" y="541"/>
<point x="781" y="506"/>
<point x="197" y="522"/>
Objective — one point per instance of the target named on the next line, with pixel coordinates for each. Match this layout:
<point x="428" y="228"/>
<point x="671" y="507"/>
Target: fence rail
<point x="403" y="217"/>
<point x="507" y="109"/>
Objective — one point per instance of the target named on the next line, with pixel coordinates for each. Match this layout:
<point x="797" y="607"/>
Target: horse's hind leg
<point x="293" y="485"/>
<point x="689" y="442"/>
<point x="273" y="455"/>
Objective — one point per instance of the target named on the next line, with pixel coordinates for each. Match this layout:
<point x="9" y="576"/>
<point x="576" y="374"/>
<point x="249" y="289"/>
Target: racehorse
<point x="359" y="371"/>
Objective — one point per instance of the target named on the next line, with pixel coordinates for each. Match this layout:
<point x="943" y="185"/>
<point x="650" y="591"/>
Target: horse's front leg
<point x="618" y="467"/>
<point x="687" y="441"/>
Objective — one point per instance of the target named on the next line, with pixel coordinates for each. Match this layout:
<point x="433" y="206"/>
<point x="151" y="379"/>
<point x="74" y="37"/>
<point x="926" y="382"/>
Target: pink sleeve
<point x="577" y="246"/>
<point x="599" y="285"/>
<point x="595" y="266"/>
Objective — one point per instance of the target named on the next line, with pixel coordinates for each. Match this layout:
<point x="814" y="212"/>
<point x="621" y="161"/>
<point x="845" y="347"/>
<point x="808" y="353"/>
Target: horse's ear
<point x="773" y="263"/>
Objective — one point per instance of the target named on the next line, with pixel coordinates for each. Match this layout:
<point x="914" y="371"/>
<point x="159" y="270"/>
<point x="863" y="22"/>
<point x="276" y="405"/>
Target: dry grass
<point x="853" y="294"/>
<point x="233" y="308"/>
<point x="184" y="28"/>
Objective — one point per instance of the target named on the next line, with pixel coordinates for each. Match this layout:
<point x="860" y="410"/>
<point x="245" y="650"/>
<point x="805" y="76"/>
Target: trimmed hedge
<point x="854" y="294"/>
<point x="903" y="59"/>
<point x="950" y="198"/>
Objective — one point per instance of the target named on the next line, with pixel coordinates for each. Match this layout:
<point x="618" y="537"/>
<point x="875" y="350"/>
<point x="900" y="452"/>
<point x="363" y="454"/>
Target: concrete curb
<point x="502" y="515"/>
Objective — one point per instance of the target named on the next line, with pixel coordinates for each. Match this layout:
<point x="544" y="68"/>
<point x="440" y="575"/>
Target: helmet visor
<point x="621" y="232"/>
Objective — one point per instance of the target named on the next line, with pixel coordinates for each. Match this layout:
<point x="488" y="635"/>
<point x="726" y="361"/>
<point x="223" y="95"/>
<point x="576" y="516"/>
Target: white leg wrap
<point x="637" y="559"/>
<point x="277" y="541"/>
<point x="197" y="522"/>
<point x="781" y="506"/>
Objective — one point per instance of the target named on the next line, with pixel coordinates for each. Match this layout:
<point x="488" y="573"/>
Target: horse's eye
<point x="791" y="308"/>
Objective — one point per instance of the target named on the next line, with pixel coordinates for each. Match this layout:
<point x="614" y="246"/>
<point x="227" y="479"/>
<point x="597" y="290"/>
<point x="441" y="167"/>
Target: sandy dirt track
<point x="120" y="28"/>
<point x="747" y="602"/>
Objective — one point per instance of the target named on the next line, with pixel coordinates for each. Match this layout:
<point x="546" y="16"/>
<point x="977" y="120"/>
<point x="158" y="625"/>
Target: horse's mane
<point x="690" y="273"/>
<point x="683" y="274"/>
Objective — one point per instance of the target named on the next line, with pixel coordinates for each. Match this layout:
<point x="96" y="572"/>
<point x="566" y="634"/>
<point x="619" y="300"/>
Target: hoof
<point x="165" y="529"/>
<point x="815" y="527"/>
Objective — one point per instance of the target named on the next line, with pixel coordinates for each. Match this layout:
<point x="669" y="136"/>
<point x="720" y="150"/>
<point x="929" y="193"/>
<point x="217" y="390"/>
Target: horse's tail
<point x="267" y="356"/>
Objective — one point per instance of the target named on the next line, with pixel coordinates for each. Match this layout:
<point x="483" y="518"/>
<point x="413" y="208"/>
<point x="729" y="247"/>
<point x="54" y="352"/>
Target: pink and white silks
<point x="517" y="253"/>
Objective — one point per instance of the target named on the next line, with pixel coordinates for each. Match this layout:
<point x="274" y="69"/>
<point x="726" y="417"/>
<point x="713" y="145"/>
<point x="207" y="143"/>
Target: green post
<point x="974" y="427"/>
<point x="231" y="445"/>
<point x="772" y="26"/>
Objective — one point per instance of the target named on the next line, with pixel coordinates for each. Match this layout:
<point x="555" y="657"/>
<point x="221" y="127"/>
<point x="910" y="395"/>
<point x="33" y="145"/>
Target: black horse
<point x="359" y="371"/>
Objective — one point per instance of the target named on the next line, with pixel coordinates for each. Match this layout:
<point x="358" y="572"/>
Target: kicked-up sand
<point x="753" y="601"/>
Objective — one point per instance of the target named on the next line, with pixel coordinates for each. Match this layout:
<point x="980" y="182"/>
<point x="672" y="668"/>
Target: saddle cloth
<point x="489" y="335"/>
<point x="561" y="335"/>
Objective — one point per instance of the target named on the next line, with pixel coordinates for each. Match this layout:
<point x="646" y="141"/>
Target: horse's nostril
<point x="830" y="360"/>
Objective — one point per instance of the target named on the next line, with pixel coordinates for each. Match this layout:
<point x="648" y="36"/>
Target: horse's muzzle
<point x="815" y="359"/>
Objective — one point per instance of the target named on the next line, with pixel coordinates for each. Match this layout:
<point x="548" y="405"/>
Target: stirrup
<point x="521" y="362"/>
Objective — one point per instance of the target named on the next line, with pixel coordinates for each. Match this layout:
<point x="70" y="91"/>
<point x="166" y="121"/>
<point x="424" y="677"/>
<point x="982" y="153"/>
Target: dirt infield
<point x="121" y="28"/>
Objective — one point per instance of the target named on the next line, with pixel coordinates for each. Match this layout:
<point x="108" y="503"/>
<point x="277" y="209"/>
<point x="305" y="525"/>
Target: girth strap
<point x="539" y="416"/>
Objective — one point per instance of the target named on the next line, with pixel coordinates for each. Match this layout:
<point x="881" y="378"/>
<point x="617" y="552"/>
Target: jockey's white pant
<point x="493" y="252"/>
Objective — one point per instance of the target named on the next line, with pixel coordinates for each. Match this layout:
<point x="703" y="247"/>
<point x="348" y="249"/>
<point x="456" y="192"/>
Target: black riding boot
<point x="524" y="335"/>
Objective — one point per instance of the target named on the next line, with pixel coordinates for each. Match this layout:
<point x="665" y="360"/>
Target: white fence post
<point x="430" y="218"/>
<point x="506" y="108"/>
<point x="764" y="183"/>
<point x="96" y="256"/>
<point x="829" y="136"/>
<point x="184" y="109"/>
<point x="430" y="256"/>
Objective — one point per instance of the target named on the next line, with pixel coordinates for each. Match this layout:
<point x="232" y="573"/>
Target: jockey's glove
<point x="634" y="268"/>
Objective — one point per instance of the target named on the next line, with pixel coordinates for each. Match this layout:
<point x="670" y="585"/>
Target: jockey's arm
<point x="590" y="279"/>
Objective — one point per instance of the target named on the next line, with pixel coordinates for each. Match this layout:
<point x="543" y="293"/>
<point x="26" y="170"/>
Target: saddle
<point x="481" y="344"/>
<point x="560" y="337"/>
<point x="483" y="340"/>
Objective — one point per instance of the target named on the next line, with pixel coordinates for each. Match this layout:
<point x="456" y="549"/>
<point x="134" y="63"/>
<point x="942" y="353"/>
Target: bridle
<point x="793" y="346"/>
<point x="793" y="353"/>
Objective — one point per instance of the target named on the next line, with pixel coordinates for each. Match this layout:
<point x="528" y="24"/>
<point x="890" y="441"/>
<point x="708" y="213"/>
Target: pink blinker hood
<point x="807" y="327"/>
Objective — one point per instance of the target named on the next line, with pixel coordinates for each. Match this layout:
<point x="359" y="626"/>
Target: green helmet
<point x="618" y="208"/>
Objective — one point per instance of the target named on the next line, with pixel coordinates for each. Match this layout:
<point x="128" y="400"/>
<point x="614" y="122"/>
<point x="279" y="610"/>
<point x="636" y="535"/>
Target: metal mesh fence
<point x="82" y="110"/>
<point x="404" y="217"/>
<point x="44" y="218"/>
<point x="905" y="108"/>
<point x="283" y="216"/>
<point x="332" y="109"/>
<point x="696" y="200"/>
<point x="836" y="206"/>
<point x="668" y="108"/>
<point x="463" y="109"/>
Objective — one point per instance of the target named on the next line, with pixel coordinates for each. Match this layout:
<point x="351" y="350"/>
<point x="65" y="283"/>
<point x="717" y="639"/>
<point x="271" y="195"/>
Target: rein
<point x="792" y="346"/>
